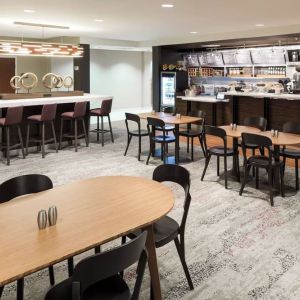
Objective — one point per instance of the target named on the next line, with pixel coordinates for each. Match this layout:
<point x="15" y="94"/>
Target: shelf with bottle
<point x="270" y="72"/>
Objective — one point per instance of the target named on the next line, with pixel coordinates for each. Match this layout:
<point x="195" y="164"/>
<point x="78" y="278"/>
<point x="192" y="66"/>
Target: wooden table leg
<point x="152" y="263"/>
<point x="176" y="144"/>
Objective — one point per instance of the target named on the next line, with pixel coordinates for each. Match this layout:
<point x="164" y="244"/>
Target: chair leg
<point x="238" y="167"/>
<point x="70" y="266"/>
<point x="1" y="290"/>
<point x="7" y="146"/>
<point x="161" y="151"/>
<point x="27" y="137"/>
<point x="102" y="131"/>
<point x="51" y="275"/>
<point x="207" y="159"/>
<point x="20" y="289"/>
<point x="75" y="128"/>
<point x="164" y="152"/>
<point x="282" y="181"/>
<point x="225" y="172"/>
<point x="188" y="145"/>
<point x="54" y="136"/>
<point x="110" y="128"/>
<point x="150" y="152"/>
<point x="270" y="179"/>
<point x="201" y="144"/>
<point x="257" y="178"/>
<point x="284" y="162"/>
<point x="97" y="249"/>
<point x="192" y="148"/>
<point x="21" y="140"/>
<point x="85" y="133"/>
<point x="61" y="132"/>
<point x="98" y="129"/>
<point x="218" y="165"/>
<point x="297" y="174"/>
<point x="43" y="139"/>
<point x="129" y="137"/>
<point x="253" y="170"/>
<point x="140" y="148"/>
<point x="183" y="262"/>
<point x="246" y="175"/>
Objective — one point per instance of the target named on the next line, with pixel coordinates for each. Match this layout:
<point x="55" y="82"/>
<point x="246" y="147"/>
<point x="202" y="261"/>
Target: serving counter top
<point x="264" y="95"/>
<point x="206" y="99"/>
<point x="51" y="100"/>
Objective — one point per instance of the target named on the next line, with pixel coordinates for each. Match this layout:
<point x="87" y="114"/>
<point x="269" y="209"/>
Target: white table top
<point x="51" y="100"/>
<point x="264" y="95"/>
<point x="207" y="99"/>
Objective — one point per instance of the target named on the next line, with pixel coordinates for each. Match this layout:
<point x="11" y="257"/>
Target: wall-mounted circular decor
<point x="50" y="80"/>
<point x="15" y="82"/>
<point x="28" y="86"/>
<point x="68" y="82"/>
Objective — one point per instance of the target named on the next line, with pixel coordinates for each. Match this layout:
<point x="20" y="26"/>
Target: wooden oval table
<point x="90" y="213"/>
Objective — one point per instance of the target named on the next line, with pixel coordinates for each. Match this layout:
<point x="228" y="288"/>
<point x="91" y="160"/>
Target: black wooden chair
<point x="219" y="151"/>
<point x="266" y="162"/>
<point x="98" y="276"/>
<point x="167" y="229"/>
<point x="163" y="139"/>
<point x="196" y="131"/>
<point x="168" y="110"/>
<point x="294" y="154"/>
<point x="132" y="118"/>
<point x="18" y="186"/>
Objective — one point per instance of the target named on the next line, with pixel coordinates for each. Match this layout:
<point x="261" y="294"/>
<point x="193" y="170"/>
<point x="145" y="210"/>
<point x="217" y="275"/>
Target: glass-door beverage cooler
<point x="168" y="89"/>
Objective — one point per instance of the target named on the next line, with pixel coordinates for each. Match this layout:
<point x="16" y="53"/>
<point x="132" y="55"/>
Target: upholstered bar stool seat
<point x="46" y="117"/>
<point x="103" y="111"/>
<point x="13" y="118"/>
<point x="74" y="116"/>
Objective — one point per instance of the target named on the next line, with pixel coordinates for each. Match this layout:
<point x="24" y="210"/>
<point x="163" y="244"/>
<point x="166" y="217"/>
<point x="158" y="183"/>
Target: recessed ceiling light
<point x="29" y="11"/>
<point x="211" y="46"/>
<point x="98" y="20"/>
<point x="193" y="32"/>
<point x="167" y="5"/>
<point x="259" y="25"/>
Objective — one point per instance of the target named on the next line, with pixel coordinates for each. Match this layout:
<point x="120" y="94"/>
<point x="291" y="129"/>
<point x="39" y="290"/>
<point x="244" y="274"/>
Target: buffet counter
<point x="52" y="100"/>
<point x="204" y="99"/>
<point x="284" y="96"/>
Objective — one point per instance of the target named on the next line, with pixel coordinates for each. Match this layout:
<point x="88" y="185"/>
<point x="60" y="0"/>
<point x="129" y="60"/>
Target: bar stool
<point x="73" y="116"/>
<point x="46" y="117"/>
<point x="13" y="118"/>
<point x="104" y="111"/>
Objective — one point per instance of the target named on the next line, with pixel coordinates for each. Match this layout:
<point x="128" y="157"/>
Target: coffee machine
<point x="296" y="81"/>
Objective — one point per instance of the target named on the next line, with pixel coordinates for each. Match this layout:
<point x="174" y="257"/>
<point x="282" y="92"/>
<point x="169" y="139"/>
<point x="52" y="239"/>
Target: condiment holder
<point x="178" y="116"/>
<point x="233" y="126"/>
<point x="153" y="112"/>
<point x="43" y="218"/>
<point x="274" y="133"/>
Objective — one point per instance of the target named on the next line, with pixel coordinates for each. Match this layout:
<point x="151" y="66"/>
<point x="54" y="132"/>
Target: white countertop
<point x="264" y="95"/>
<point x="51" y="100"/>
<point x="207" y="99"/>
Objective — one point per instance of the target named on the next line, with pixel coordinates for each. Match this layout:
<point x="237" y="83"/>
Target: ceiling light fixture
<point x="98" y="20"/>
<point x="167" y="5"/>
<point x="260" y="25"/>
<point x="193" y="32"/>
<point x="29" y="11"/>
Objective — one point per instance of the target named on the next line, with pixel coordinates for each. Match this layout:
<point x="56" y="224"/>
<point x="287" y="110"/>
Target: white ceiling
<point x="146" y="20"/>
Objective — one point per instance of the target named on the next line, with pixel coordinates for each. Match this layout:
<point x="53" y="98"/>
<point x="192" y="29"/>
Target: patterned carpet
<point x="236" y="247"/>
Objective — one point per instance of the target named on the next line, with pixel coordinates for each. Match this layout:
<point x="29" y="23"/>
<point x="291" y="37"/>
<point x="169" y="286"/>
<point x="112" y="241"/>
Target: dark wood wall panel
<point x="250" y="107"/>
<point x="82" y="70"/>
<point x="7" y="71"/>
<point x="282" y="111"/>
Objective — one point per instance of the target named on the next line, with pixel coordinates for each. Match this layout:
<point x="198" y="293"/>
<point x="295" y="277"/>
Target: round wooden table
<point x="283" y="139"/>
<point x="90" y="213"/>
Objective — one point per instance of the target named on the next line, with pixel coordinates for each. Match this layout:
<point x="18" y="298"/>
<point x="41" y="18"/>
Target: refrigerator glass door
<point x="168" y="88"/>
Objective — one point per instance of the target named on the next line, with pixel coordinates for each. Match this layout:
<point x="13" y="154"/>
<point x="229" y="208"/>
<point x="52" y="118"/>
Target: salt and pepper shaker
<point x="276" y="133"/>
<point x="42" y="219"/>
<point x="272" y="132"/>
<point x="153" y="112"/>
<point x="178" y="116"/>
<point x="52" y="215"/>
<point x="231" y="126"/>
<point x="234" y="126"/>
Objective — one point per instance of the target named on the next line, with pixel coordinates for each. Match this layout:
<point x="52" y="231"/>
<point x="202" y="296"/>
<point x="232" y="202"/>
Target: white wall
<point x="63" y="67"/>
<point x="126" y="75"/>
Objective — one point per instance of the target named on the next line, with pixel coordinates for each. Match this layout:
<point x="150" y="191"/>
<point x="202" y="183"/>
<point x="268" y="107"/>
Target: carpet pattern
<point x="236" y="247"/>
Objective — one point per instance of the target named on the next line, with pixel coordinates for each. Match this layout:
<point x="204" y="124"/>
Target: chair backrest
<point x="259" y="140"/>
<point x="132" y="118"/>
<point x="106" y="107"/>
<point x="14" y="115"/>
<point x="22" y="185"/>
<point x="181" y="176"/>
<point x="80" y="109"/>
<point x="199" y="114"/>
<point x="257" y="122"/>
<point x="169" y="110"/>
<point x="217" y="132"/>
<point x="156" y="123"/>
<point x="95" y="268"/>
<point x="48" y="112"/>
<point x="291" y="127"/>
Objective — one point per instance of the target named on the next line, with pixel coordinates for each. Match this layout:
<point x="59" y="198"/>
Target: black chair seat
<point x="143" y="132"/>
<point x="262" y="161"/>
<point x="221" y="151"/>
<point x="249" y="146"/>
<point x="165" y="231"/>
<point x="167" y="128"/>
<point x="190" y="133"/>
<point x="164" y="139"/>
<point x="108" y="289"/>
<point x="290" y="153"/>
